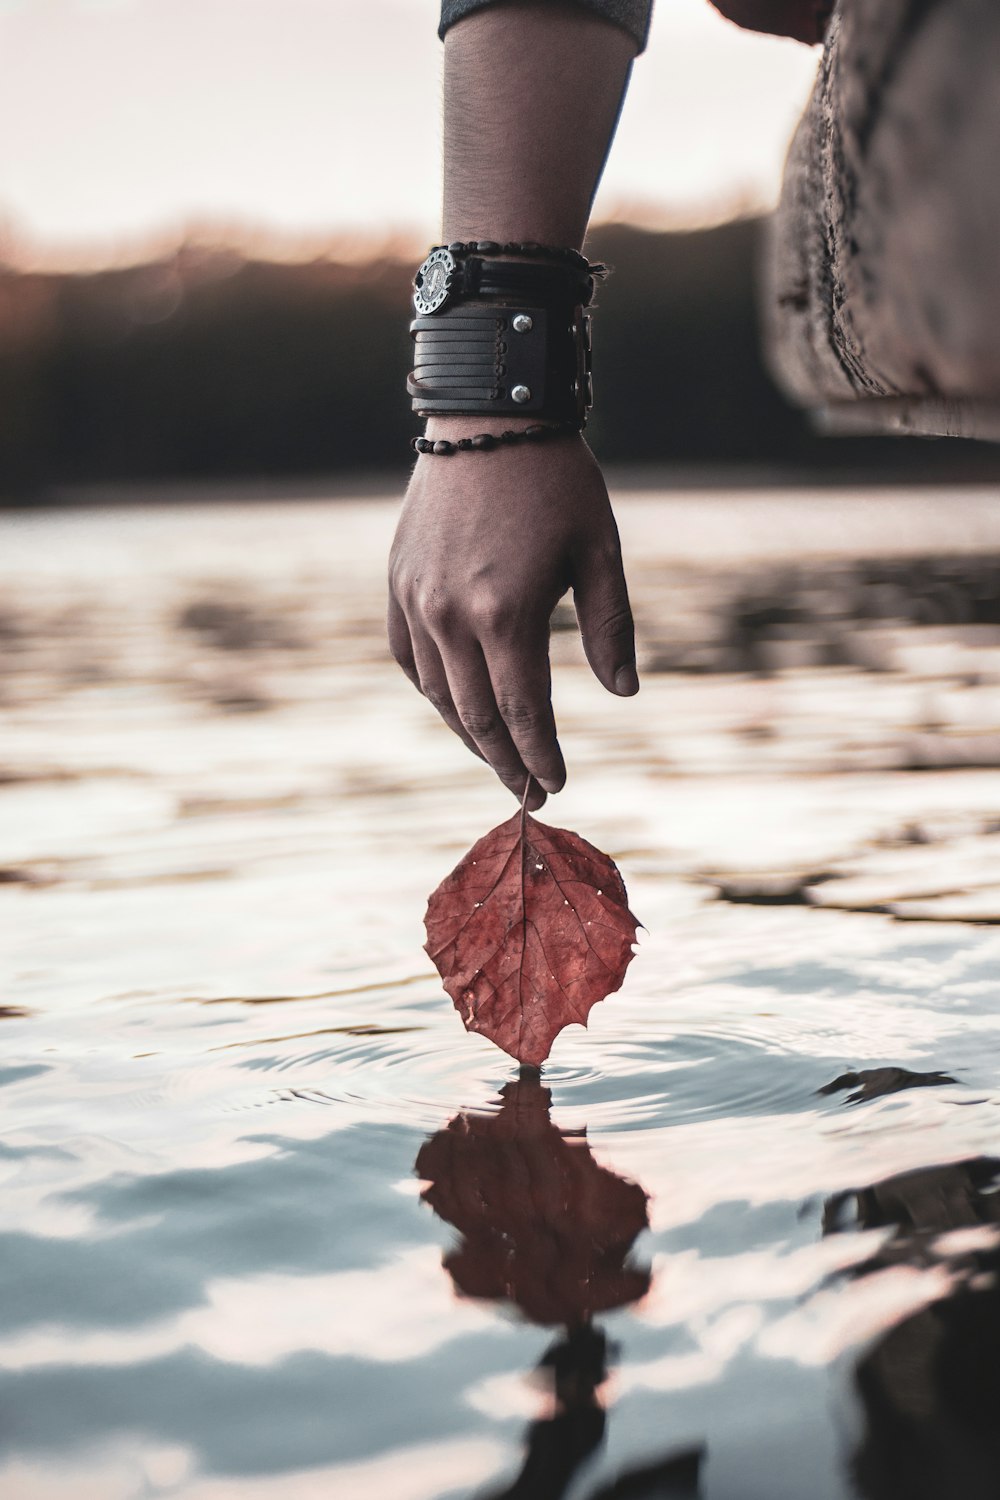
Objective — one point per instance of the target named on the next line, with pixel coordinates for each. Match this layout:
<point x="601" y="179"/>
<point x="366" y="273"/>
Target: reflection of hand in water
<point x="542" y="1225"/>
<point x="930" y="1386"/>
<point x="547" y="1229"/>
<point x="559" y="1444"/>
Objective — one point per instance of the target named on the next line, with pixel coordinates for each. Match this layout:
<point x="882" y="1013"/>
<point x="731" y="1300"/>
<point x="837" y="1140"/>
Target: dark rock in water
<point x="857" y="614"/>
<point x="919" y="1206"/>
<point x="231" y="625"/>
<point x="780" y="889"/>
<point x="927" y="1387"/>
<point x="870" y="1083"/>
<point x="952" y="752"/>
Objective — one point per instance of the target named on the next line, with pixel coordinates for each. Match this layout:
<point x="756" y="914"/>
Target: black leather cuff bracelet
<point x="455" y="275"/>
<point x="486" y="359"/>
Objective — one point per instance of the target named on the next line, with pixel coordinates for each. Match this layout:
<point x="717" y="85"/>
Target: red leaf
<point x="542" y="1224"/>
<point x="528" y="932"/>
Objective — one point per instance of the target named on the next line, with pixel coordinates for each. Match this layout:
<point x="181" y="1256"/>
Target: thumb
<point x="602" y="608"/>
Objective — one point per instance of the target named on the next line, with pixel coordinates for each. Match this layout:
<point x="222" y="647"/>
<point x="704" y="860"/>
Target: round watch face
<point x="432" y="282"/>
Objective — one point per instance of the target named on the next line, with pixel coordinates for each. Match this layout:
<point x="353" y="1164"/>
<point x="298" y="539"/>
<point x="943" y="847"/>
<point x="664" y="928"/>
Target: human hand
<point x="485" y="547"/>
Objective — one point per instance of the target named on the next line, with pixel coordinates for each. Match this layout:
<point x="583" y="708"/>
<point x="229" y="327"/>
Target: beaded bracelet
<point x="483" y="442"/>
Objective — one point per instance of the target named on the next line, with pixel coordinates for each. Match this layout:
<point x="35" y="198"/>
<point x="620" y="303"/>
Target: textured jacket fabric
<point x="805" y="20"/>
<point x="884" y="283"/>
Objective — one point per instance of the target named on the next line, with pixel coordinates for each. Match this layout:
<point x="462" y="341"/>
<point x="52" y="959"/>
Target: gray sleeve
<point x="632" y="15"/>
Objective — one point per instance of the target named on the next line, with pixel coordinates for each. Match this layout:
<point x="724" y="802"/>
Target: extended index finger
<point x="472" y="691"/>
<point x="522" y="685"/>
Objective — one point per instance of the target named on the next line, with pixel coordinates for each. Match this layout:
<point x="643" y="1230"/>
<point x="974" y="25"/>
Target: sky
<point x="289" y="123"/>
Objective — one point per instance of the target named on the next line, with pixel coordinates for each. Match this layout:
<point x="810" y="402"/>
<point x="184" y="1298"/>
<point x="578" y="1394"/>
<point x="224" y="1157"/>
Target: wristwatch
<point x="448" y="276"/>
<point x="503" y="329"/>
<point x="433" y="282"/>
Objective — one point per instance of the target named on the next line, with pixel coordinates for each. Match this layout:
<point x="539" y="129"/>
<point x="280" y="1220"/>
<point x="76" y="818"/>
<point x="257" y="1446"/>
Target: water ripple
<point x="416" y="1074"/>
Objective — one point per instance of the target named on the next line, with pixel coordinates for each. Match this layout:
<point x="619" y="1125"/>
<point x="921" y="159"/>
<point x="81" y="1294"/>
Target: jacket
<point x="805" y="20"/>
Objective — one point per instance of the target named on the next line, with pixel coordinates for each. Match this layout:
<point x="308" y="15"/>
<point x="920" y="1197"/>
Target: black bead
<point x="484" y="441"/>
<point x="456" y="247"/>
<point x="487" y="247"/>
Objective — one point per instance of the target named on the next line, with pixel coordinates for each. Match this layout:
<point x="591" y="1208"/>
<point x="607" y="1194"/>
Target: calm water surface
<point x="274" y="1225"/>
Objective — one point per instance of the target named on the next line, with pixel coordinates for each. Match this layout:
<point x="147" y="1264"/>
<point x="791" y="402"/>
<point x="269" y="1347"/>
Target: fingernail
<point x="627" y="681"/>
<point x="549" y="784"/>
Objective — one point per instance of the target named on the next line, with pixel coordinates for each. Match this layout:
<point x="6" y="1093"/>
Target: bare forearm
<point x="488" y="542"/>
<point x="531" y="97"/>
<point x="532" y="92"/>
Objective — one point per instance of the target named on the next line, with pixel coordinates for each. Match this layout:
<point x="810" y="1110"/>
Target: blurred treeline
<point x="210" y="365"/>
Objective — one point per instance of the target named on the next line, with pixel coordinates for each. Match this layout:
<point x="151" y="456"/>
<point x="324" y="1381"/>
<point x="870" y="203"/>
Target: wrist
<point x="463" y="425"/>
<point x="502" y="343"/>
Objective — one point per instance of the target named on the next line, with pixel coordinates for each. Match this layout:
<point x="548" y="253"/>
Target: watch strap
<point x="545" y="285"/>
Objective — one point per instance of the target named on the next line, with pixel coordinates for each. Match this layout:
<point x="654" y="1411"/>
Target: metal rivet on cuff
<point x="520" y="393"/>
<point x="522" y="323"/>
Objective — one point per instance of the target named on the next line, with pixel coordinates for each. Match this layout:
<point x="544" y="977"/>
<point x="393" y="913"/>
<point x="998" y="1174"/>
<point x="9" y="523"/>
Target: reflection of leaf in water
<point x="545" y="1228"/>
<point x="528" y="932"/>
<point x="542" y="1225"/>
